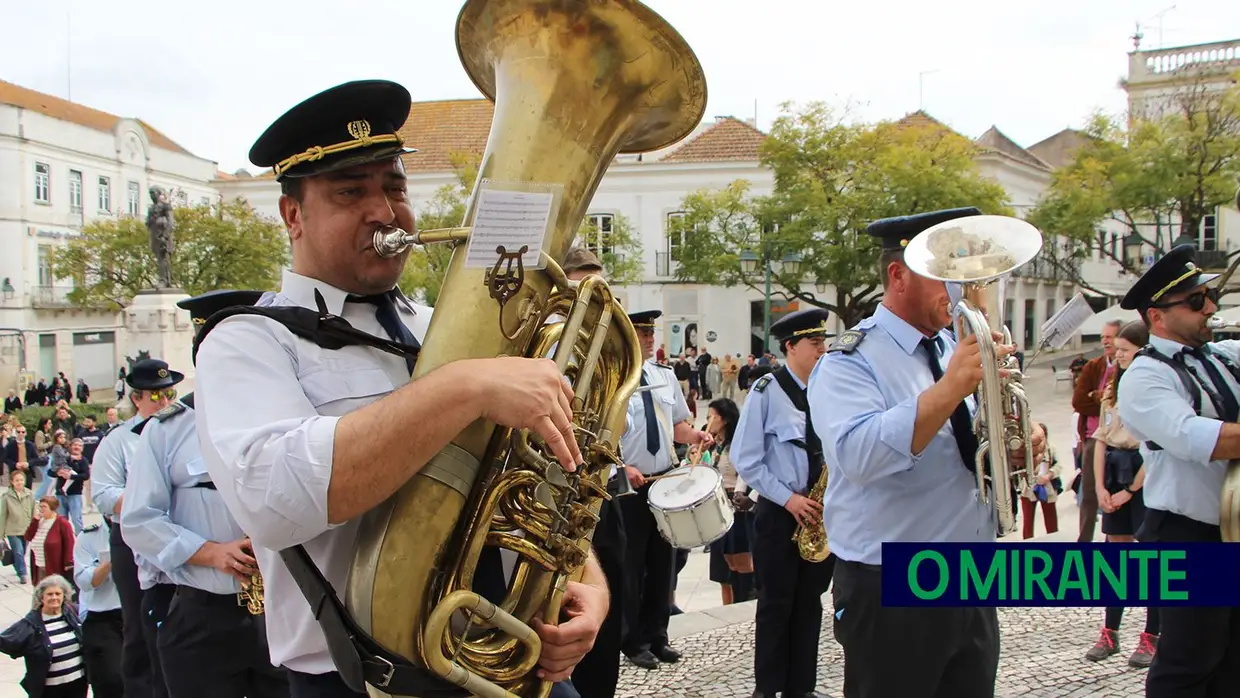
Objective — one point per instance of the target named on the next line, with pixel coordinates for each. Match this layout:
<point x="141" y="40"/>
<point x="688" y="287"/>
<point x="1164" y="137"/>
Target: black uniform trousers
<point x="139" y="662"/>
<point x="211" y="647"/>
<point x="1198" y="648"/>
<point x="789" y="613"/>
<point x="103" y="636"/>
<point x="597" y="674"/>
<point x="648" y="572"/>
<point x="910" y="652"/>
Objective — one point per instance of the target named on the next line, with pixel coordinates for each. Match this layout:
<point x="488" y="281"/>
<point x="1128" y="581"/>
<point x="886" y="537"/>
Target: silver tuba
<point x="979" y="252"/>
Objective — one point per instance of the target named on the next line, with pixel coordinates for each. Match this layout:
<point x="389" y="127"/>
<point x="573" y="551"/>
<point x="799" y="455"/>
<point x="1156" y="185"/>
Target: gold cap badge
<point x="163" y="373"/>
<point x="359" y="129"/>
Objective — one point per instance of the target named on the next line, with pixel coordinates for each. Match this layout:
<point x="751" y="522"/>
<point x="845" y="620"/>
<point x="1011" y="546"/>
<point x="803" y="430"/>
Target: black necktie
<point x="1230" y="406"/>
<point x="385" y="313"/>
<point x="962" y="423"/>
<point x="652" y="421"/>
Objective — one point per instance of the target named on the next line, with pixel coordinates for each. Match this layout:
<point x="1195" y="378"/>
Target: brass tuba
<point x="979" y="252"/>
<point x="812" y="541"/>
<point x="574" y="83"/>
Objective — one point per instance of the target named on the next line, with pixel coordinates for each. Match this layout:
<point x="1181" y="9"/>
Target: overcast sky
<point x="213" y="75"/>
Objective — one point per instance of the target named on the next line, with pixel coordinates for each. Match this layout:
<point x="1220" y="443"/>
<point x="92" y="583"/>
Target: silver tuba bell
<point x="979" y="252"/>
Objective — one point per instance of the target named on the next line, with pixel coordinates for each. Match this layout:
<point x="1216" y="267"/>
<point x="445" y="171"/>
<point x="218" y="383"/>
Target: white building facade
<point x="63" y="165"/>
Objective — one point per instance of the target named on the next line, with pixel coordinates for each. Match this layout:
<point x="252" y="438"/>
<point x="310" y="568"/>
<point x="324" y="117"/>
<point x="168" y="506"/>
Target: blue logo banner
<point x="1061" y="574"/>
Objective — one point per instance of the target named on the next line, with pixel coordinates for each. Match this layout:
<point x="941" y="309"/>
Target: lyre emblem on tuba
<point x="577" y="83"/>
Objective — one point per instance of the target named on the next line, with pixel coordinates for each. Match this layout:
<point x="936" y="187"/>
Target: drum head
<point x="686" y="489"/>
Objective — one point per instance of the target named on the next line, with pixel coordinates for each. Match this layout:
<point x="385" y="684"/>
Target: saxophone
<point x="251" y="595"/>
<point x="812" y="541"/>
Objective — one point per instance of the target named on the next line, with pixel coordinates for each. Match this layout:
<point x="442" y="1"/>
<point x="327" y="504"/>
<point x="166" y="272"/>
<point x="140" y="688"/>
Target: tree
<point x="618" y="248"/>
<point x="832" y="178"/>
<point x="229" y="247"/>
<point x="1155" y="180"/>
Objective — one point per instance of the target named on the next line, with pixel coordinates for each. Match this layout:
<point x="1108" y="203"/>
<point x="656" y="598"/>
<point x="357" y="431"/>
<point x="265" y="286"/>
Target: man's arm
<point x="294" y="473"/>
<point x="145" y="523"/>
<point x="748" y="451"/>
<point x="107" y="484"/>
<point x="88" y="571"/>
<point x="1085" y="399"/>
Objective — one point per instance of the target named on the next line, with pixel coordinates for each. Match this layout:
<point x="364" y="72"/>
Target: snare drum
<point x="691" y="508"/>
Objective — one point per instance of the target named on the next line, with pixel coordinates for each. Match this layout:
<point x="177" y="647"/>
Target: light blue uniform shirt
<point x="88" y="552"/>
<point x="107" y="471"/>
<point x="669" y="400"/>
<point x="763" y="451"/>
<point x="166" y="518"/>
<point x="1154" y="406"/>
<point x="864" y="407"/>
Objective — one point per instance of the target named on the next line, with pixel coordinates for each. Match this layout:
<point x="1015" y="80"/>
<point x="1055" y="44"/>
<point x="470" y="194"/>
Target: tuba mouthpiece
<point x="390" y="241"/>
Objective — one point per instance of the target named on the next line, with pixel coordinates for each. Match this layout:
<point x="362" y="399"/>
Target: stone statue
<point x="159" y="222"/>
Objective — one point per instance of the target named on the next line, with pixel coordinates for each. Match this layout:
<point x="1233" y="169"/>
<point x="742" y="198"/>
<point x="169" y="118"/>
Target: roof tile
<point x="79" y="114"/>
<point x="726" y="140"/>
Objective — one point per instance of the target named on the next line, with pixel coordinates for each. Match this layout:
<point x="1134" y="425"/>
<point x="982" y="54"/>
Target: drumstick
<point x="674" y="473"/>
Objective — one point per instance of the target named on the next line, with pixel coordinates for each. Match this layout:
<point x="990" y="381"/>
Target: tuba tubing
<point x="979" y="253"/>
<point x="573" y="83"/>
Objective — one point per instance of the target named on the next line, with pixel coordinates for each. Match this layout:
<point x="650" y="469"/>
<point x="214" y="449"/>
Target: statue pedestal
<point x="156" y="327"/>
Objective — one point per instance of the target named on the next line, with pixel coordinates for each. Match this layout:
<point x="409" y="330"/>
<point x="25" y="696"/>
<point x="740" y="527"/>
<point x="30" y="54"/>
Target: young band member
<point x="892" y="401"/>
<point x="777" y="452"/>
<point x="648" y="448"/>
<point x="330" y="433"/>
<point x="1179" y="397"/>
<point x="145" y="591"/>
<point x="174" y="518"/>
<point x="103" y="633"/>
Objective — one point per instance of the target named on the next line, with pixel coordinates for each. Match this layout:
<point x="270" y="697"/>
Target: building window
<point x="205" y="202"/>
<point x="105" y="194"/>
<point x="1209" y="233"/>
<point x="135" y="199"/>
<point x="675" y="238"/>
<point x="42" y="183"/>
<point x="1050" y="308"/>
<point x="75" y="190"/>
<point x="182" y="198"/>
<point x="1030" y="320"/>
<point x="598" y="233"/>
<point x="45" y="266"/>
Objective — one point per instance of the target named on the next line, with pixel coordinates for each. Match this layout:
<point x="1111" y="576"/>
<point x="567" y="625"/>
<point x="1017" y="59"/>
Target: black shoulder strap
<point x="318" y="326"/>
<point x="358" y="657"/>
<point x="812" y="445"/>
<point x="1186" y="379"/>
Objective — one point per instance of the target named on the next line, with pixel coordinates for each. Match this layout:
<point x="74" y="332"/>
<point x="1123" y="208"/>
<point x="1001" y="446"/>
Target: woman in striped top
<point x="49" y="638"/>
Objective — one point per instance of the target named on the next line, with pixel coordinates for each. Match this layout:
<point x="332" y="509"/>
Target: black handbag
<point x="1121" y="468"/>
<point x="6" y="554"/>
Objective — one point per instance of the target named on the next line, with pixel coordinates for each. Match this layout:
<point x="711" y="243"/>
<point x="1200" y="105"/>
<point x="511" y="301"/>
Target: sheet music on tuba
<point x="511" y="215"/>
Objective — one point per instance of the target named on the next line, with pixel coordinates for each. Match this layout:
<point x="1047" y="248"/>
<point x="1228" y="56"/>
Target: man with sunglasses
<point x="1181" y="397"/>
<point x="144" y="590"/>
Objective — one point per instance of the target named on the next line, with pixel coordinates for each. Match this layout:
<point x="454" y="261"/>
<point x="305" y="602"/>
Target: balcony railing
<point x="1044" y="268"/>
<point x="1214" y="260"/>
<point x="51" y="296"/>
<point x="662" y="264"/>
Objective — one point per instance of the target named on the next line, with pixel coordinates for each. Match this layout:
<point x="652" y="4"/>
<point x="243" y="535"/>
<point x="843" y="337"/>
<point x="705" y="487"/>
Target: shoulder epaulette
<point x="137" y="428"/>
<point x="92" y="527"/>
<point x="172" y="410"/>
<point x="760" y="384"/>
<point x="847" y="342"/>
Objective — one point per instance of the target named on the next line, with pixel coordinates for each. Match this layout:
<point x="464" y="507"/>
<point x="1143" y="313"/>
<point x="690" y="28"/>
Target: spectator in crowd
<point x="49" y="638"/>
<point x="51" y="542"/>
<point x="16" y="513"/>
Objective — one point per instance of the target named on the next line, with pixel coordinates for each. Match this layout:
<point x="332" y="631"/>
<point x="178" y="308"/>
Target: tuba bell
<point x="979" y="253"/>
<point x="574" y="83"/>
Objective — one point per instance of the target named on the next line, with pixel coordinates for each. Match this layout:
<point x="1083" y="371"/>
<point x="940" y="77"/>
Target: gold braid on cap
<point x="360" y="130"/>
<point x="1192" y="269"/>
<point x="810" y="330"/>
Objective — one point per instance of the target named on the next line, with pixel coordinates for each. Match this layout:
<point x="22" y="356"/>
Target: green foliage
<point x="1157" y="179"/>
<point x="832" y="178"/>
<point x="426" y="266"/>
<point x="233" y="247"/>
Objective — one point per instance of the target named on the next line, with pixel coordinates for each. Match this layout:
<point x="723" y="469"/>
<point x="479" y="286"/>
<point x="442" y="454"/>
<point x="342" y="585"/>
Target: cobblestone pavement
<point x="1043" y="655"/>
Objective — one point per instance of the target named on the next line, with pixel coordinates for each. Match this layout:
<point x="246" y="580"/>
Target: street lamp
<point x="8" y="289"/>
<point x="1132" y="249"/>
<point x="790" y="264"/>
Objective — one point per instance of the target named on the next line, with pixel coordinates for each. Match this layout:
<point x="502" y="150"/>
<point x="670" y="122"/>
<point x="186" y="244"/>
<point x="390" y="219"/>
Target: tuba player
<point x="330" y="433"/>
<point x="892" y="401"/>
<point x="777" y="452"/>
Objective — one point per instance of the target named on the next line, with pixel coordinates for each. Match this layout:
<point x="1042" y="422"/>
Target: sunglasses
<point x="157" y="395"/>
<point x="1195" y="301"/>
